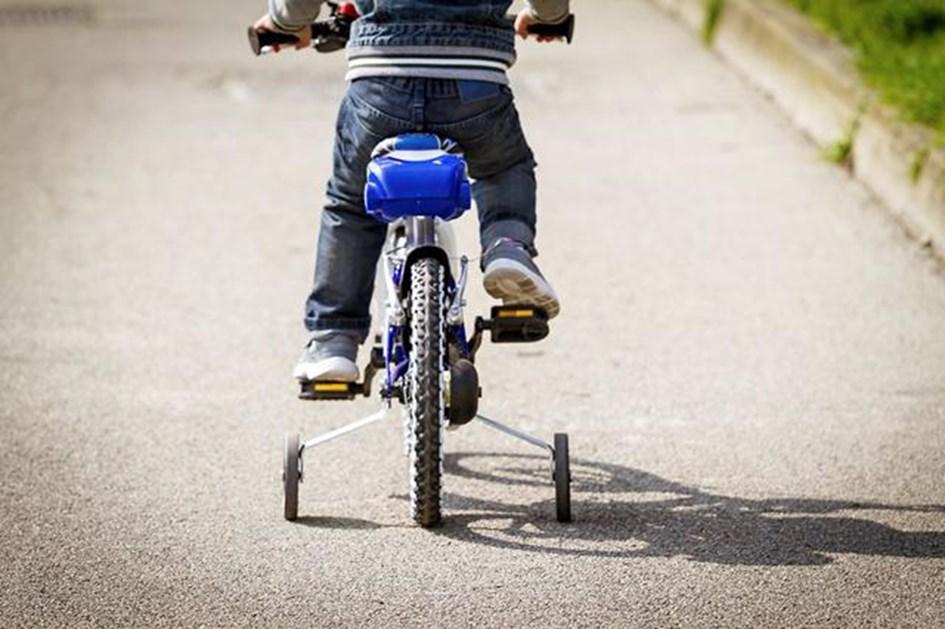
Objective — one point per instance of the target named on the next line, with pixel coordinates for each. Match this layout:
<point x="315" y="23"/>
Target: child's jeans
<point x="481" y="117"/>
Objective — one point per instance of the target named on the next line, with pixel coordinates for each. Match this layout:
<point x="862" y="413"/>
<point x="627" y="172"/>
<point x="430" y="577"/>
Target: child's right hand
<point x="304" y="36"/>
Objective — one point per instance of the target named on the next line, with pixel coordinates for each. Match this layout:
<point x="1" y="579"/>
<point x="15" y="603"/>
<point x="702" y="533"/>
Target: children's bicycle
<point x="417" y="184"/>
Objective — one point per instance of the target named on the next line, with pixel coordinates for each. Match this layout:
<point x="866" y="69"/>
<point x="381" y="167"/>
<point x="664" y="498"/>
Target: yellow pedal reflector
<point x="516" y="314"/>
<point x="330" y="387"/>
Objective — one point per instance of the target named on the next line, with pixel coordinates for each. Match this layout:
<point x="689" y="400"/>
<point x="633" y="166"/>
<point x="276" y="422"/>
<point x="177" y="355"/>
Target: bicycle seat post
<point x="421" y="231"/>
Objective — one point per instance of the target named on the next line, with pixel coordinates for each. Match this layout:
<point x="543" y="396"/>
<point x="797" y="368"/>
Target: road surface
<point x="750" y="358"/>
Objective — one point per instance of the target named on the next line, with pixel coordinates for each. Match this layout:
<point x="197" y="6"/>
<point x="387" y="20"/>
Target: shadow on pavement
<point x="624" y="512"/>
<point x="336" y="523"/>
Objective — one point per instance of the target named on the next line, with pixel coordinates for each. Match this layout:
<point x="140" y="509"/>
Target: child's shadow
<point x="623" y="512"/>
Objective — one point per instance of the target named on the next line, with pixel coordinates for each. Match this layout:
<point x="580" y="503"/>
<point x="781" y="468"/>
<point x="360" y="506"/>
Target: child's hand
<point x="525" y="19"/>
<point x="304" y="36"/>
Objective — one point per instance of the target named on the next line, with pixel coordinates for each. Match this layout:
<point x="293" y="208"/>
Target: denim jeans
<point x="481" y="117"/>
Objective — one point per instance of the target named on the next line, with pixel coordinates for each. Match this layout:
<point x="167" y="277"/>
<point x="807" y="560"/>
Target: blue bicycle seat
<point x="415" y="175"/>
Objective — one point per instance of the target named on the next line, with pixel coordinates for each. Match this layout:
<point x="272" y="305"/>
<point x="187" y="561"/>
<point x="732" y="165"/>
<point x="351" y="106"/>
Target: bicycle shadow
<point x="621" y="512"/>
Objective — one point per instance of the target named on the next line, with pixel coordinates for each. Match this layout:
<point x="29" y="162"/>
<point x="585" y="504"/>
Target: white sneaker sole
<point x="515" y="283"/>
<point x="334" y="369"/>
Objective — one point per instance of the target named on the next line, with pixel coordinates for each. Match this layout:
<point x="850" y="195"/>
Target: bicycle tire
<point x="562" y="478"/>
<point x="426" y="403"/>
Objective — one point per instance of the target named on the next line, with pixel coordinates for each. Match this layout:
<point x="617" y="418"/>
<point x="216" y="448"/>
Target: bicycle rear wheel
<point x="425" y="394"/>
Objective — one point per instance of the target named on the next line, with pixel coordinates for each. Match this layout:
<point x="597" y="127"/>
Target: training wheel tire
<point x="291" y="476"/>
<point x="562" y="478"/>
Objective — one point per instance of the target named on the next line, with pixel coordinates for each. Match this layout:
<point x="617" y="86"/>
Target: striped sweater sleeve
<point x="549" y="11"/>
<point x="293" y="15"/>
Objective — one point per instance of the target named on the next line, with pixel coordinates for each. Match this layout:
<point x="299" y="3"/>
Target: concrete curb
<point x="815" y="81"/>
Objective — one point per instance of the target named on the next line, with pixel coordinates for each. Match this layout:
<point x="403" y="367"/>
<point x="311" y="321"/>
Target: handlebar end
<point x="253" y="37"/>
<point x="563" y="29"/>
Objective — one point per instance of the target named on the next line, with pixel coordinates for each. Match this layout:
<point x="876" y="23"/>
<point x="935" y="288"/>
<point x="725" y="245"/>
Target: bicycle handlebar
<point x="262" y="39"/>
<point x="563" y="29"/>
<point x="327" y="36"/>
<point x="332" y="34"/>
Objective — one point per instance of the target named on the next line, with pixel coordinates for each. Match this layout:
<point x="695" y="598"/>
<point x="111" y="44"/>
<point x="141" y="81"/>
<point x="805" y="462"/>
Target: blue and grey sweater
<point x="450" y="39"/>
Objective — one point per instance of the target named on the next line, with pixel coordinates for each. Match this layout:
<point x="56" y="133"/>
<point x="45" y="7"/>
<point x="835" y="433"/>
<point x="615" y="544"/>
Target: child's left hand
<point x="525" y="19"/>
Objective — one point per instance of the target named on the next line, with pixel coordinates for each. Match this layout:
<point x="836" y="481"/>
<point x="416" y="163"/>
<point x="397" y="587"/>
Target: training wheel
<point x="562" y="478"/>
<point x="291" y="474"/>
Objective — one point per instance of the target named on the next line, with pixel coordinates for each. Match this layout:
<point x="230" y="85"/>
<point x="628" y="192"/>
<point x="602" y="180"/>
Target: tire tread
<point x="426" y="402"/>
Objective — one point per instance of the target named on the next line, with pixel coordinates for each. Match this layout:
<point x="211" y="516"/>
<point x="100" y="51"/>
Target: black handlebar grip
<point x="563" y="29"/>
<point x="259" y="39"/>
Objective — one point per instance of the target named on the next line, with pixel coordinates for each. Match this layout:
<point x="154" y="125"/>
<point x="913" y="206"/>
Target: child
<point x="436" y="66"/>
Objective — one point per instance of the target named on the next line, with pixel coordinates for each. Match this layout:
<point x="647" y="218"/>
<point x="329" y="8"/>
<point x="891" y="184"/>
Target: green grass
<point x="840" y="152"/>
<point x="918" y="164"/>
<point x="713" y="13"/>
<point x="900" y="47"/>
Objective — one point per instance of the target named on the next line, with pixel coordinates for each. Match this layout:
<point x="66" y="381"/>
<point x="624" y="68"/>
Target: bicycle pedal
<point x="517" y="324"/>
<point x="330" y="391"/>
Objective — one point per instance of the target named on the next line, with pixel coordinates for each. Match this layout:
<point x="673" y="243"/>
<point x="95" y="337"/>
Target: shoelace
<point x="501" y="241"/>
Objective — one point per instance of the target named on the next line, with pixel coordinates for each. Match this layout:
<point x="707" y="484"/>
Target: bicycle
<point x="417" y="183"/>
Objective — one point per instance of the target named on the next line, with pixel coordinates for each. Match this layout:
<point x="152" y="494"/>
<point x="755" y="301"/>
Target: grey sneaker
<point x="329" y="356"/>
<point x="510" y="274"/>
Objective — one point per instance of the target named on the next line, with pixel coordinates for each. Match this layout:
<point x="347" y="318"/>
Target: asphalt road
<point x="750" y="358"/>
